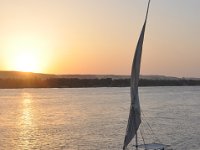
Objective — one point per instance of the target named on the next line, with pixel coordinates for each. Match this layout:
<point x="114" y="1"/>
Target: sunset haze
<point x="99" y="36"/>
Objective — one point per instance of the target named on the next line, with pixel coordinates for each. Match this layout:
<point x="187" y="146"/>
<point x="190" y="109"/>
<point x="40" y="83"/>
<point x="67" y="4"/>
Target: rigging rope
<point x="151" y="130"/>
<point x="141" y="132"/>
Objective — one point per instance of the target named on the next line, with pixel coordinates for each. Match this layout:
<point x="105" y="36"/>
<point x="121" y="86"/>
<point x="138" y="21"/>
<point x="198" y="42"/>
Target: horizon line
<point x="94" y="74"/>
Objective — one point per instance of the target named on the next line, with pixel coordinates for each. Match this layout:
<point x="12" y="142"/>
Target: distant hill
<point x="23" y="75"/>
<point x="15" y="79"/>
<point x="158" y="77"/>
<point x="30" y="75"/>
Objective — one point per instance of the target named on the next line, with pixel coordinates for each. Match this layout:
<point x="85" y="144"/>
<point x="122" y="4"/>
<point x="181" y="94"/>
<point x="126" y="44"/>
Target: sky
<point x="100" y="36"/>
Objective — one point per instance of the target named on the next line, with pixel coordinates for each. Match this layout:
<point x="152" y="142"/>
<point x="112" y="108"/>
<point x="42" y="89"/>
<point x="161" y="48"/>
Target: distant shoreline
<point x="16" y="79"/>
<point x="86" y="83"/>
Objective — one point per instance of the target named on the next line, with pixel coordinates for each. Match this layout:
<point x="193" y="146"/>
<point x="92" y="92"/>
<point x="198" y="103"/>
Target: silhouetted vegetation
<point x="78" y="83"/>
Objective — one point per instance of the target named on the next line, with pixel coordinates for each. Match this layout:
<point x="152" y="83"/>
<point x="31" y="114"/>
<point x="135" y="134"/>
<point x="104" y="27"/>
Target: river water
<point x="96" y="118"/>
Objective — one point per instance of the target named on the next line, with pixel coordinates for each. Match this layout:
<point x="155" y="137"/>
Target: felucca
<point x="134" y="120"/>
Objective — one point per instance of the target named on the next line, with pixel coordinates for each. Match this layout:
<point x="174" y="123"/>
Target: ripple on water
<point x="95" y="118"/>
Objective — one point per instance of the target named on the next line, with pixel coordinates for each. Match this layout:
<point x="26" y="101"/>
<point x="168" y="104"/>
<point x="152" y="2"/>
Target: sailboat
<point x="134" y="120"/>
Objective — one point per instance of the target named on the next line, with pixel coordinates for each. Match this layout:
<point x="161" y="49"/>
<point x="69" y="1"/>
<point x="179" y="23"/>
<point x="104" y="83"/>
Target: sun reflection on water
<point x="27" y="112"/>
<point x="26" y="125"/>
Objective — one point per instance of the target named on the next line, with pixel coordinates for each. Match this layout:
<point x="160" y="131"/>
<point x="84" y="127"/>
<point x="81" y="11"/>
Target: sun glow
<point x="27" y="53"/>
<point x="26" y="62"/>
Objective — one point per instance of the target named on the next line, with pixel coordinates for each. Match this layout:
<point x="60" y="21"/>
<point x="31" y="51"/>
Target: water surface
<point x="96" y="118"/>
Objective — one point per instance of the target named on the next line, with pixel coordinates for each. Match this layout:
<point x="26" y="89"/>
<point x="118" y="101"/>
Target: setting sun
<point x="26" y="62"/>
<point x="26" y="52"/>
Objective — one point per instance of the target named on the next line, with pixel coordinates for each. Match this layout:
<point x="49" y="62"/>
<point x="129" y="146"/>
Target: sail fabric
<point x="135" y="115"/>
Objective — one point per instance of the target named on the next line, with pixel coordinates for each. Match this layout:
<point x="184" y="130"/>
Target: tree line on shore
<point x="81" y="83"/>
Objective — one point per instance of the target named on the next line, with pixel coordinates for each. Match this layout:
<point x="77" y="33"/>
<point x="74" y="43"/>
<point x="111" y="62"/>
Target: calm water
<point x="95" y="118"/>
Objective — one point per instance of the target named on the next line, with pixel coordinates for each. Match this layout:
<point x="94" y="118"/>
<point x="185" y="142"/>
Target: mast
<point x="147" y="12"/>
<point x="135" y="113"/>
<point x="136" y="141"/>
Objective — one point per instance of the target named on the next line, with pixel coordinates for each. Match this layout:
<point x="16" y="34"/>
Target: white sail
<point x="134" y="115"/>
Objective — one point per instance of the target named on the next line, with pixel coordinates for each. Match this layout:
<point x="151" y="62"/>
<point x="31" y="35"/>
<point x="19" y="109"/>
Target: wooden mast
<point x="136" y="135"/>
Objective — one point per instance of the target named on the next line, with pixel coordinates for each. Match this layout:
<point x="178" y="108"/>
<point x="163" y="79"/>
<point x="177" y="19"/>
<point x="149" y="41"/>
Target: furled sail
<point x="134" y="115"/>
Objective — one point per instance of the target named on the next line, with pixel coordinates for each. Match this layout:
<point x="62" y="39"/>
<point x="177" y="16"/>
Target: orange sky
<point x="99" y="36"/>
